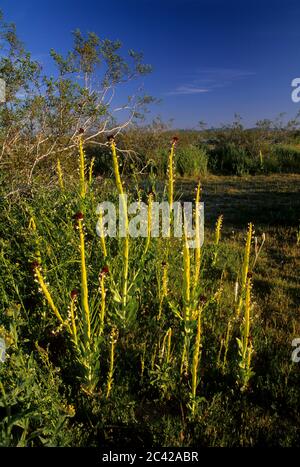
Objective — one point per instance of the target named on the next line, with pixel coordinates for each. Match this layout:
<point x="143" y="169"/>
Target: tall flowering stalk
<point x="218" y="229"/>
<point x="32" y="227"/>
<point x="186" y="302"/>
<point x="245" y="343"/>
<point x="91" y="170"/>
<point x="74" y="294"/>
<point x="113" y="341"/>
<point x="102" y="237"/>
<point x="84" y="281"/>
<point x="119" y="184"/>
<point x="186" y="276"/>
<point x="60" y="174"/>
<point x="149" y="222"/>
<point x="125" y="214"/>
<point x="245" y="266"/>
<point x="44" y="289"/>
<point x="261" y="159"/>
<point x="197" y="238"/>
<point x="171" y="175"/>
<point x="102" y="276"/>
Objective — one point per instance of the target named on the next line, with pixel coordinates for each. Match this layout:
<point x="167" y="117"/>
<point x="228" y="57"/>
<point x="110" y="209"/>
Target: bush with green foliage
<point x="282" y="159"/>
<point x="191" y="161"/>
<point x="231" y="159"/>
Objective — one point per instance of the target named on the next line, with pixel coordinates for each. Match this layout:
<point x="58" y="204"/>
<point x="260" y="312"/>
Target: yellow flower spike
<point x="124" y="207"/>
<point x="60" y="174"/>
<point x="72" y="314"/>
<point x="187" y="274"/>
<point x="198" y="247"/>
<point x="245" y="269"/>
<point x="186" y="297"/>
<point x="116" y="167"/>
<point x="218" y="229"/>
<point x="247" y="255"/>
<point x="102" y="237"/>
<point x="245" y="344"/>
<point x="32" y="226"/>
<point x="103" y="297"/>
<point x="84" y="281"/>
<point x="171" y="175"/>
<point x="91" y="170"/>
<point x="113" y="341"/>
<point x="261" y="159"/>
<point x="46" y="293"/>
<point x="149" y="222"/>
<point x="247" y="316"/>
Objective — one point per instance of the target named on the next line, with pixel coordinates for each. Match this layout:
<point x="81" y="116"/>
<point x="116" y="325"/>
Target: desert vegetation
<point x="141" y="341"/>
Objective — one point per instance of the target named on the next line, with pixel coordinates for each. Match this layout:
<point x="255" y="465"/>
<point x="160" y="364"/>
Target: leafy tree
<point x="42" y="115"/>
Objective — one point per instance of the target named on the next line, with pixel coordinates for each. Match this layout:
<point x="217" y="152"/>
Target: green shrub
<point x="229" y="159"/>
<point x="33" y="412"/>
<point x="190" y="161"/>
<point x="283" y="158"/>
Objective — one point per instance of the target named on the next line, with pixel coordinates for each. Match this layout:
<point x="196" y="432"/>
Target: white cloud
<point x="189" y="89"/>
<point x="208" y="79"/>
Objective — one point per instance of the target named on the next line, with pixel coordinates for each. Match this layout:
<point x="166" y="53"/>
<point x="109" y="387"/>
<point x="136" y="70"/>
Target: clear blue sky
<point x="210" y="58"/>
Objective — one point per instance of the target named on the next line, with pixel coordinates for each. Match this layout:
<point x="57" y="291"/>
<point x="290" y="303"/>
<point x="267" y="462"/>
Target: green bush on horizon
<point x="191" y="161"/>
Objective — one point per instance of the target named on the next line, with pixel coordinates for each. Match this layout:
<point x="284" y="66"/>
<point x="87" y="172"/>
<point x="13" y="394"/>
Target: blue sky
<point x="210" y="58"/>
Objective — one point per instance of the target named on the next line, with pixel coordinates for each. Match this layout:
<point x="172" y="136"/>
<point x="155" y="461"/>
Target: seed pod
<point x="74" y="294"/>
<point x="104" y="271"/>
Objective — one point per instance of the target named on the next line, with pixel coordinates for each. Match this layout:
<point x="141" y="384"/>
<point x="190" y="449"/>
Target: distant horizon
<point x="211" y="59"/>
